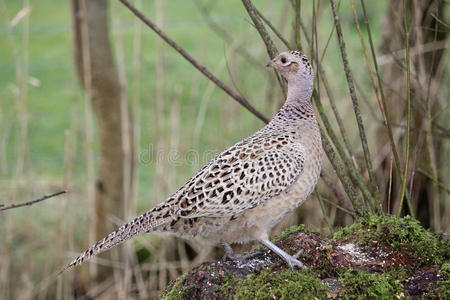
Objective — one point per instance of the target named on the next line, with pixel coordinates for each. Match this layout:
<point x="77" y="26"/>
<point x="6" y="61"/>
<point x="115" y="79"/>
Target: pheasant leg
<point x="292" y="261"/>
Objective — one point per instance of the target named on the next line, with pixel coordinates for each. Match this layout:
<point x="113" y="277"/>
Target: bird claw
<point x="297" y="255"/>
<point x="293" y="262"/>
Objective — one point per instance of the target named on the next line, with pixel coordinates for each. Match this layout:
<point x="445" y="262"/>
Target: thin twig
<point x="388" y="121"/>
<point x="380" y="86"/>
<point x="331" y="99"/>
<point x="413" y="51"/>
<point x="298" y="37"/>
<point x="354" y="173"/>
<point x="2" y="207"/>
<point x="339" y="207"/>
<point x="199" y="67"/>
<point x="377" y="205"/>
<point x="348" y="74"/>
<point x="252" y="12"/>
<point x="315" y="43"/>
<point x="424" y="122"/>
<point x="408" y="120"/>
<point x="330" y="183"/>
<point x="223" y="34"/>
<point x="341" y="173"/>
<point x="324" y="213"/>
<point x="272" y="50"/>
<point x="434" y="179"/>
<point x="277" y="33"/>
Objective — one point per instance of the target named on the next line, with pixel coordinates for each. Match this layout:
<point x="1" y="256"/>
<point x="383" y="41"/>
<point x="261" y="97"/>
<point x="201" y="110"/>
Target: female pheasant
<point x="245" y="191"/>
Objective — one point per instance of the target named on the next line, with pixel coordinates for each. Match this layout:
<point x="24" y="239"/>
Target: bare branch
<point x="274" y="29"/>
<point x="222" y="33"/>
<point x="349" y="76"/>
<point x="2" y="207"/>
<point x="199" y="67"/>
<point x="272" y="50"/>
<point x="270" y="46"/>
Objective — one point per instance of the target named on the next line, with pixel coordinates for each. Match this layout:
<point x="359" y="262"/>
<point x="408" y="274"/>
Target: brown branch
<point x="199" y="67"/>
<point x="222" y="33"/>
<point x="2" y="207"/>
<point x="348" y="211"/>
<point x="270" y="46"/>
<point x="329" y="182"/>
<point x="274" y="29"/>
<point x="362" y="133"/>
<point x="272" y="50"/>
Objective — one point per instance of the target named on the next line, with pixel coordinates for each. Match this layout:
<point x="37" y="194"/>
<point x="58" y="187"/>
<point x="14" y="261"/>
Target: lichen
<point x="398" y="234"/>
<point x="283" y="285"/>
<point x="363" y="285"/>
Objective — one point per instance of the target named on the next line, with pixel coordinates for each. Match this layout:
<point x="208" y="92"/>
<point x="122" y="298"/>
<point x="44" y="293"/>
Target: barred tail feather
<point x="144" y="223"/>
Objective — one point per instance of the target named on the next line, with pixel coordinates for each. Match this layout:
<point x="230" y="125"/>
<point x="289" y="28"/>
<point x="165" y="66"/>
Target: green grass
<point x="50" y="61"/>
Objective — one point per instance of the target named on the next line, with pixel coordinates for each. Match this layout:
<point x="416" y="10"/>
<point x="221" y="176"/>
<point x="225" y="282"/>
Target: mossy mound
<point x="281" y="285"/>
<point x="364" y="285"/>
<point x="404" y="235"/>
<point x="375" y="258"/>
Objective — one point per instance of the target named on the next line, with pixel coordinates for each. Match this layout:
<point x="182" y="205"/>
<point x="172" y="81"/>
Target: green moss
<point x="399" y="273"/>
<point x="322" y="265"/>
<point x="443" y="287"/>
<point x="391" y="233"/>
<point x="223" y="286"/>
<point x="445" y="269"/>
<point x="399" y="234"/>
<point x="177" y="290"/>
<point x="345" y="232"/>
<point x="283" y="285"/>
<point x="363" y="285"/>
<point x="227" y="288"/>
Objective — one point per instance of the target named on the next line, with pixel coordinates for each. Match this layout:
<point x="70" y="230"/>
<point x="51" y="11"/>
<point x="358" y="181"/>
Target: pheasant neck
<point x="300" y="91"/>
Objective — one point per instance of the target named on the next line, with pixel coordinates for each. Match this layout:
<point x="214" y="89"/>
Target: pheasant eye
<point x="283" y="60"/>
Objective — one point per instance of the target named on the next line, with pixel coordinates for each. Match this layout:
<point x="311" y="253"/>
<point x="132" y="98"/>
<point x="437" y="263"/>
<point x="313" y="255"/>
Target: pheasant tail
<point x="147" y="222"/>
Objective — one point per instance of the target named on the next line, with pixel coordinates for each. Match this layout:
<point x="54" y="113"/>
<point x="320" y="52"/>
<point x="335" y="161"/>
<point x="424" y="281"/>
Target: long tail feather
<point x="144" y="223"/>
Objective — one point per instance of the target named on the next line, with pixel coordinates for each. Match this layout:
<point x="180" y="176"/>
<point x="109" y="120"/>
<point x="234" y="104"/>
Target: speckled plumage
<point x="249" y="188"/>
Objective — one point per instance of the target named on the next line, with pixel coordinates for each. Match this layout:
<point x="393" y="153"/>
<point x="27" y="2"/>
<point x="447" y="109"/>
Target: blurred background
<point x="95" y="103"/>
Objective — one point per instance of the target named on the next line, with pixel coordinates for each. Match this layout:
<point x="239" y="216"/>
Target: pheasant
<point x="241" y="194"/>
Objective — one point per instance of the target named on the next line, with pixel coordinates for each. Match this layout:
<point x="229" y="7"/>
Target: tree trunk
<point x="98" y="75"/>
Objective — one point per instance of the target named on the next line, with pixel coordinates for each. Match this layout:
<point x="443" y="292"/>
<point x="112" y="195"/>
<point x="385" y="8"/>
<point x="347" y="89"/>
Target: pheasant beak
<point x="270" y="63"/>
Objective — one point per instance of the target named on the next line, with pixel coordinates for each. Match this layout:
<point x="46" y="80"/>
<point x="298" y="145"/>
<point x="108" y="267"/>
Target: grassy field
<point x="50" y="104"/>
<point x="36" y="241"/>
